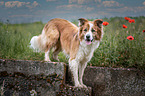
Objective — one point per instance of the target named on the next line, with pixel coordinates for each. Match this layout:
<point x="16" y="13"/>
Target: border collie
<point x="78" y="42"/>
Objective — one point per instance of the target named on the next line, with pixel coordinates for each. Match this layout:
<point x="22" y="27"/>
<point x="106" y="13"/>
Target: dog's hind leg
<point x="49" y="47"/>
<point x="47" y="51"/>
<point x="47" y="55"/>
<point x="52" y="36"/>
<point x="56" y="51"/>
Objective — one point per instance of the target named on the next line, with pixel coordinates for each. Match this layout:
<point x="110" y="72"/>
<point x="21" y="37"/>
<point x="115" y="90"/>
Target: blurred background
<point x="21" y="20"/>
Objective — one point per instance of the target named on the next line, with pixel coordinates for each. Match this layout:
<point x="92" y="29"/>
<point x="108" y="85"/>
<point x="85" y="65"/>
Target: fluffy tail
<point x="36" y="44"/>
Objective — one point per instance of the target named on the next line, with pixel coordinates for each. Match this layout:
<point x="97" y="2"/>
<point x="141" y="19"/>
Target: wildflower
<point x="126" y="18"/>
<point x="143" y="31"/>
<point x="124" y="26"/>
<point x="130" y="38"/>
<point x="131" y="21"/>
<point x="105" y="23"/>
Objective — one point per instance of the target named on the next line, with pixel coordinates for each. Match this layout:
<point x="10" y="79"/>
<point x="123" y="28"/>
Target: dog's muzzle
<point x="88" y="39"/>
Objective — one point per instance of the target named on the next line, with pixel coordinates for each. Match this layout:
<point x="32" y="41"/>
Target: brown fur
<point x="62" y="35"/>
<point x="97" y="27"/>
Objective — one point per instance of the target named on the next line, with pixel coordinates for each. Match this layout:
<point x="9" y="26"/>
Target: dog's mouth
<point x="88" y="41"/>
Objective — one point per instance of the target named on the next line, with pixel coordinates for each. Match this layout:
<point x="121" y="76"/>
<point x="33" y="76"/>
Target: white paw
<point x="79" y="86"/>
<point x="84" y="86"/>
<point x="47" y="60"/>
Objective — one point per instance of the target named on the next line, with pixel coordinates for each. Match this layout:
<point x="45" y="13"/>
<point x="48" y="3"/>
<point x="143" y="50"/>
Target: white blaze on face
<point x="89" y="33"/>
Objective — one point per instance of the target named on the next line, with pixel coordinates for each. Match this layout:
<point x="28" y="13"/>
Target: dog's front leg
<point x="82" y="67"/>
<point x="73" y="65"/>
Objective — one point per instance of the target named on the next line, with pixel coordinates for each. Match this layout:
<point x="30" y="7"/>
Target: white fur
<point x="43" y="39"/>
<point x="34" y="43"/>
<point x="73" y="65"/>
<point x="47" y="56"/>
<point x="38" y="46"/>
<point x="79" y="64"/>
<point x="85" y="52"/>
<point x="84" y="55"/>
<point x="89" y="32"/>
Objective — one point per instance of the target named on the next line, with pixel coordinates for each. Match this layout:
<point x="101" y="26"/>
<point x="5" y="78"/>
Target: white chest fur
<point x="85" y="52"/>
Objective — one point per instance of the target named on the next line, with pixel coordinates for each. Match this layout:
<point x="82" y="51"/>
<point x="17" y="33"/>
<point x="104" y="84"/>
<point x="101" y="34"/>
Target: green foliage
<point x="15" y="38"/>
<point x="115" y="49"/>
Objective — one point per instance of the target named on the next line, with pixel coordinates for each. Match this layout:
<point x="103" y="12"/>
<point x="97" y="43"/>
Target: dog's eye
<point x="93" y="30"/>
<point x="85" y="30"/>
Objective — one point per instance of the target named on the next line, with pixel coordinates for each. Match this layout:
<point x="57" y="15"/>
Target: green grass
<point x="15" y="40"/>
<point x="115" y="49"/>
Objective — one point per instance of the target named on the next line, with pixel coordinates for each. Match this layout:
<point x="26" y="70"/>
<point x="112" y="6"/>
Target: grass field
<point x="115" y="49"/>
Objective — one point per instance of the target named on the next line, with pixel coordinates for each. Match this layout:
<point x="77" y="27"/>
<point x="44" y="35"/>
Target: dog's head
<point x="90" y="31"/>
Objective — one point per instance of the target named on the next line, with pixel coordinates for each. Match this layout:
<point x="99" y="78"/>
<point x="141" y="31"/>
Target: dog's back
<point x="57" y="33"/>
<point x="54" y="31"/>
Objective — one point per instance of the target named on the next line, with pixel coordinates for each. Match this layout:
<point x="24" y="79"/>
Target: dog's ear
<point x="82" y="21"/>
<point x="98" y="22"/>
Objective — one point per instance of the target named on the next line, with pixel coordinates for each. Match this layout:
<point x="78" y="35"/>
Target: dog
<point x="78" y="42"/>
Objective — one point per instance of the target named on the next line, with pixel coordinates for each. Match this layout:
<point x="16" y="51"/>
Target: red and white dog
<point x="78" y="42"/>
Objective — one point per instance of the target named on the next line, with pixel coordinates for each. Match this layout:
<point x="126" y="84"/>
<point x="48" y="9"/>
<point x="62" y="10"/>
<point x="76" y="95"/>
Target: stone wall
<point x="36" y="78"/>
<point x="113" y="81"/>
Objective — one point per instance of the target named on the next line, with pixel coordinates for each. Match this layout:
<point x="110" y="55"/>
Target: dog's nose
<point x="87" y="36"/>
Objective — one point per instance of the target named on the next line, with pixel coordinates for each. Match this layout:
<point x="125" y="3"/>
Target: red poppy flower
<point x="130" y="38"/>
<point x="131" y="21"/>
<point x="105" y="23"/>
<point x="143" y="31"/>
<point x="124" y="26"/>
<point x="126" y="18"/>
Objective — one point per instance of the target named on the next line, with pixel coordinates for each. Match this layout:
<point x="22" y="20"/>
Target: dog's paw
<point x="84" y="86"/>
<point x="81" y="86"/>
<point x="47" y="60"/>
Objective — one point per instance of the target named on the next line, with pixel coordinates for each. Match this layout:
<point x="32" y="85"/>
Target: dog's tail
<point x="38" y="43"/>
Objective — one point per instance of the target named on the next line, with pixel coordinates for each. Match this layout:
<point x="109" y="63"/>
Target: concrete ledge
<point x="115" y="81"/>
<point x="32" y="67"/>
<point x="67" y="90"/>
<point x="36" y="78"/>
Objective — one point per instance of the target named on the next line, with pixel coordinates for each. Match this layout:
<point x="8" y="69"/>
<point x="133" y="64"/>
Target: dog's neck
<point x="89" y="48"/>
